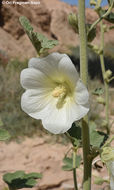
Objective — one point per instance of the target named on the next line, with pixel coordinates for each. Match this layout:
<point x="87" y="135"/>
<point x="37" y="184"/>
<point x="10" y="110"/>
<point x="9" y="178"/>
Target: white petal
<point x="48" y="64"/>
<point x="57" y="66"/>
<point x="34" y="100"/>
<point x="66" y="67"/>
<point x="79" y="111"/>
<point x="60" y="120"/>
<point x="32" y="79"/>
<point x="81" y="93"/>
<point x="57" y="121"/>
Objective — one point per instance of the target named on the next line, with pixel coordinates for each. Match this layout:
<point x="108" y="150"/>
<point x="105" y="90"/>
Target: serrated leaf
<point x="39" y="41"/>
<point x="69" y="163"/>
<point x="26" y="24"/>
<point x="98" y="91"/>
<point x="4" y="135"/>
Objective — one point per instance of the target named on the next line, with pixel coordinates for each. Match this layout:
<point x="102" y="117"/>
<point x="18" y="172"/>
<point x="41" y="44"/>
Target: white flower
<point x="54" y="93"/>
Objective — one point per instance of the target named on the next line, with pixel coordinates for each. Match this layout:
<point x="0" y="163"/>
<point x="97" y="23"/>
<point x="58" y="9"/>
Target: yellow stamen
<point x="60" y="92"/>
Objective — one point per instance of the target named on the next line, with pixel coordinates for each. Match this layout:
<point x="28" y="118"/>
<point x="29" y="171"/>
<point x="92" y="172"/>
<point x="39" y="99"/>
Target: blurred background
<point x="50" y="17"/>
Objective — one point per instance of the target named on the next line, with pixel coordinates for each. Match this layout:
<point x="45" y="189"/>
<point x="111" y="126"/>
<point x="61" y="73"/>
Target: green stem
<point x="103" y="74"/>
<point x="84" y="77"/>
<point x="102" y="17"/>
<point x="74" y="171"/>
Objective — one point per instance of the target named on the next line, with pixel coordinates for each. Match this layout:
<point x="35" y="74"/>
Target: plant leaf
<point x="75" y="131"/>
<point x="19" y="179"/>
<point x="31" y="183"/>
<point x="33" y="175"/>
<point x="4" y="135"/>
<point x="98" y="91"/>
<point x="92" y="34"/>
<point x="68" y="163"/>
<point x="97" y="138"/>
<point x="40" y="42"/>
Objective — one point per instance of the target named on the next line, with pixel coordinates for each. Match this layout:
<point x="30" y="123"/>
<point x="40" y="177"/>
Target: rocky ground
<point x="35" y="155"/>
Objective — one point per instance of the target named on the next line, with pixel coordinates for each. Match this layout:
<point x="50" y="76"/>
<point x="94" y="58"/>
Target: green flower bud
<point x="73" y="21"/>
<point x="108" y="74"/>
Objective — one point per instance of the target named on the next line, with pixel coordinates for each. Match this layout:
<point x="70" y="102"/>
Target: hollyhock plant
<point x="54" y="92"/>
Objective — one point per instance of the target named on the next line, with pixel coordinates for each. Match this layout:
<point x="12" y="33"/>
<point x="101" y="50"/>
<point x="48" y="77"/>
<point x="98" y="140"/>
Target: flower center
<point x="60" y="92"/>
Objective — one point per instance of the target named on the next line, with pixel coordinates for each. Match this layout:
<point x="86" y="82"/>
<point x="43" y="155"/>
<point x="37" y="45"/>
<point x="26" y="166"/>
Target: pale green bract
<point x="54" y="92"/>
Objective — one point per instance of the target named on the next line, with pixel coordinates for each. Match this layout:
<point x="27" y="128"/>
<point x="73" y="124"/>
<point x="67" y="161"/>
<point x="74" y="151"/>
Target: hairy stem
<point x="84" y="77"/>
<point x="103" y="74"/>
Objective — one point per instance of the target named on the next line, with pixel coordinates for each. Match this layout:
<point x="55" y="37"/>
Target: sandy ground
<point x="35" y="155"/>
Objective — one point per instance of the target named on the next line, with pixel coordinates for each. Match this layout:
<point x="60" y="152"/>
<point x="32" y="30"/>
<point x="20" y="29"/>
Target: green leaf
<point x="90" y="34"/>
<point x="31" y="183"/>
<point x="26" y="24"/>
<point x="98" y="91"/>
<point x="4" y="135"/>
<point x="97" y="138"/>
<point x="33" y="175"/>
<point x="19" y="179"/>
<point x="68" y="163"/>
<point x="39" y="41"/>
<point x="75" y="131"/>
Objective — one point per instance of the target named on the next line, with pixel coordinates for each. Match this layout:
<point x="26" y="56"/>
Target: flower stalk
<point x="84" y="77"/>
<point x="74" y="170"/>
<point x="106" y="84"/>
